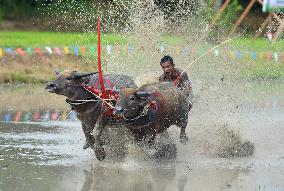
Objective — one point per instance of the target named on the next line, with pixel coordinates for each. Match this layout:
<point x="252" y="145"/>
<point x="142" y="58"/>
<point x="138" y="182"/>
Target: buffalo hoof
<point x="183" y="139"/>
<point x="100" y="153"/>
<point x="86" y="145"/>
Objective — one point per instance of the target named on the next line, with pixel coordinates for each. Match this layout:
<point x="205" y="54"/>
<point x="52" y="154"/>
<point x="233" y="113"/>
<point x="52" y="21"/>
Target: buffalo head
<point x="131" y="102"/>
<point x="66" y="81"/>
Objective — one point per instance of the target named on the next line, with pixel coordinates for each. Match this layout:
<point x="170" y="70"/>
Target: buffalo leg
<point x="98" y="130"/>
<point x="89" y="137"/>
<point x="183" y="137"/>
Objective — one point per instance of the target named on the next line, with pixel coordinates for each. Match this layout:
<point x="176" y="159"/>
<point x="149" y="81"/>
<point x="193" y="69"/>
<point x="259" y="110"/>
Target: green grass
<point x="260" y="69"/>
<point x="264" y="70"/>
<point x="33" y="39"/>
<point x="259" y="44"/>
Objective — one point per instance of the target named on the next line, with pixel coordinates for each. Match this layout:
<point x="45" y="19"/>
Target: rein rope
<point x="79" y="102"/>
<point x="141" y="114"/>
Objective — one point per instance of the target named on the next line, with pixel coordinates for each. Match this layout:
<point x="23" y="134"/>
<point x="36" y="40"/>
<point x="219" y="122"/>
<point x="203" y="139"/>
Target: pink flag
<point x="57" y="51"/>
<point x="21" y="52"/>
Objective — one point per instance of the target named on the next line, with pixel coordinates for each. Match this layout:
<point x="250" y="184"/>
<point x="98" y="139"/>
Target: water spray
<point x="226" y="41"/>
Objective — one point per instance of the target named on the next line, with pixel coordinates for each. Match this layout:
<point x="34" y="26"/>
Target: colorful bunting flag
<point x="108" y="49"/>
<point x="20" y="51"/>
<point x="216" y="52"/>
<point x="38" y="51"/>
<point x="76" y="51"/>
<point x="162" y="48"/>
<point x="10" y="51"/>
<point x="268" y="56"/>
<point x="276" y="57"/>
<point x="66" y="50"/>
<point x="54" y="116"/>
<point x="83" y="50"/>
<point x="17" y="116"/>
<point x="49" y="50"/>
<point x="27" y="116"/>
<point x="130" y="49"/>
<point x="7" y="117"/>
<point x="92" y="51"/>
<point x="254" y="56"/>
<point x="57" y="51"/>
<point x="29" y="51"/>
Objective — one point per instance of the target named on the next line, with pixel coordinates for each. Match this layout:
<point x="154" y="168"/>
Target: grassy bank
<point x="33" y="39"/>
<point x="34" y="69"/>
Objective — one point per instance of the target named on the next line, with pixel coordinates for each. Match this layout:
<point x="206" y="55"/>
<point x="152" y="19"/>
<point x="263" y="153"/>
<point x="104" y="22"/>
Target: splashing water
<point x="147" y="26"/>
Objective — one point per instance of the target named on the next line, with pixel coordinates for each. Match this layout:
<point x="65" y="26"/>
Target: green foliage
<point x="225" y="21"/>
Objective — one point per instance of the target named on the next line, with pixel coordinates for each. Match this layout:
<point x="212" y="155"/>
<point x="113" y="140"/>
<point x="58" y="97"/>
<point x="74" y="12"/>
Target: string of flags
<point x="130" y="49"/>
<point x="38" y="116"/>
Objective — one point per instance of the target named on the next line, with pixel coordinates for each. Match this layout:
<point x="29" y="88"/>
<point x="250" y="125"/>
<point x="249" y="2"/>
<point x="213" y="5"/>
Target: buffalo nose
<point x="118" y="110"/>
<point x="50" y="86"/>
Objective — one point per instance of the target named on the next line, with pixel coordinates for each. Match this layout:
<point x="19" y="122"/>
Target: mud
<point x="49" y="155"/>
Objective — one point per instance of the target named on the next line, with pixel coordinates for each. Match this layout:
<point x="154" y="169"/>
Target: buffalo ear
<point x="57" y="72"/>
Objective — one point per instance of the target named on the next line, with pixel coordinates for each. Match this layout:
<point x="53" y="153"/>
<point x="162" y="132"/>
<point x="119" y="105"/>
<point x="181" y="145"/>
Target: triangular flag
<point x="260" y="56"/>
<point x="185" y="51"/>
<point x="17" y="116"/>
<point x="45" y="116"/>
<point x="254" y="55"/>
<point x="268" y="56"/>
<point x="54" y="116"/>
<point x="108" y="48"/>
<point x="49" y="50"/>
<point x="10" y="51"/>
<point x="20" y="51"/>
<point x="66" y="50"/>
<point x="83" y="50"/>
<point x="216" y="52"/>
<point x="238" y="55"/>
<point x="57" y="51"/>
<point x="27" y="116"/>
<point x="178" y="50"/>
<point x="276" y="58"/>
<point x="130" y="48"/>
<point x="92" y="51"/>
<point x="36" y="116"/>
<point x="76" y="51"/>
<point x="7" y="117"/>
<point x="162" y="48"/>
<point x="117" y="48"/>
<point x="29" y="51"/>
<point x="38" y="51"/>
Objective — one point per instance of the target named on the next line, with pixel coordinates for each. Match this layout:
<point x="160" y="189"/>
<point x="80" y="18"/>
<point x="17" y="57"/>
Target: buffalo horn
<point x="82" y="75"/>
<point x="143" y="94"/>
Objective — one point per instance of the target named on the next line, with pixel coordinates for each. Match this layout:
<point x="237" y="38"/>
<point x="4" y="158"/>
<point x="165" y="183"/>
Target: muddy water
<point x="49" y="155"/>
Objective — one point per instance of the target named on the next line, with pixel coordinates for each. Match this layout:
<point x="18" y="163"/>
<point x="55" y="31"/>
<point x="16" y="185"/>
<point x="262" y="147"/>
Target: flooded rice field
<point x="48" y="155"/>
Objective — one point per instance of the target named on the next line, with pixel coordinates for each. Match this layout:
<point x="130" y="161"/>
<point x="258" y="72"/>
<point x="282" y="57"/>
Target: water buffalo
<point x="89" y="108"/>
<point x="152" y="108"/>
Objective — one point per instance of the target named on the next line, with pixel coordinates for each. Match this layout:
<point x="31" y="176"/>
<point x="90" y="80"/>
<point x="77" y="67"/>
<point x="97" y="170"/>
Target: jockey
<point x="172" y="74"/>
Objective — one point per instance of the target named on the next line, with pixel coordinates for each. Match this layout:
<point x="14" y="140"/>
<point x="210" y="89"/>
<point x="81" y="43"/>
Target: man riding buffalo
<point x="176" y="76"/>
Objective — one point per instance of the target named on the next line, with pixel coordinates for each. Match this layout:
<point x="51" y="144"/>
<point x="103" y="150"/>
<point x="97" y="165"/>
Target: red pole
<point x="101" y="79"/>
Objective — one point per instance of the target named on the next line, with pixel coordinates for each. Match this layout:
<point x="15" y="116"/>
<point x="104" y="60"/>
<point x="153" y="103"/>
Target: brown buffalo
<point x="152" y="108"/>
<point x="89" y="108"/>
